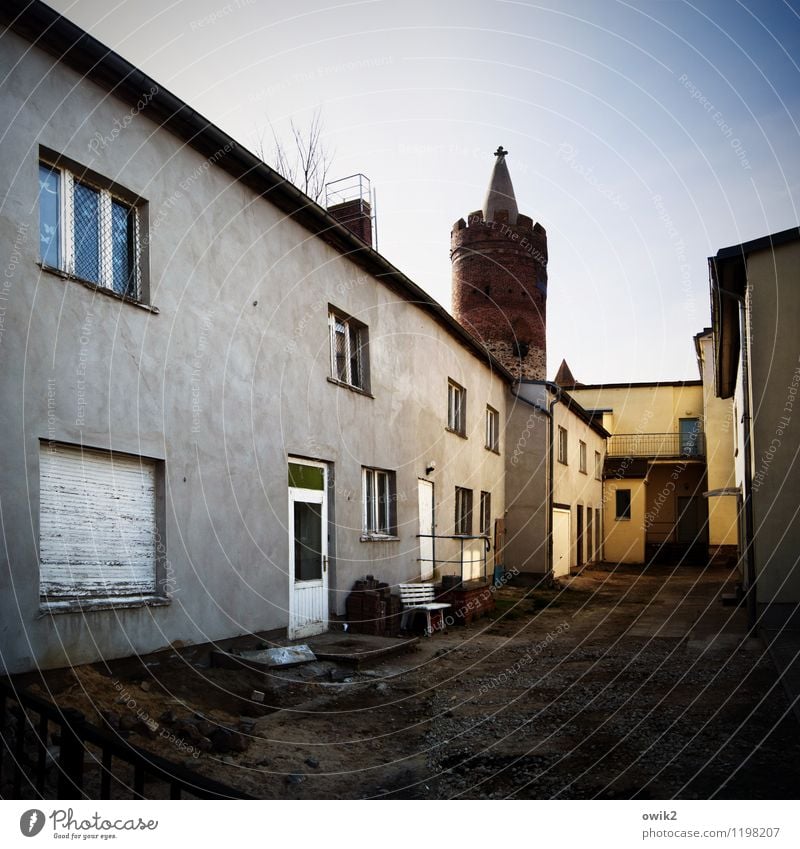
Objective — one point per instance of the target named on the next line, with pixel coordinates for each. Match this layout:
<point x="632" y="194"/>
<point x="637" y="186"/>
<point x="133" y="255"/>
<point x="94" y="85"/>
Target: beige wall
<point x="774" y="281"/>
<point x="571" y="485"/>
<point x="624" y="538"/>
<point x="718" y="418"/>
<point x="643" y="409"/>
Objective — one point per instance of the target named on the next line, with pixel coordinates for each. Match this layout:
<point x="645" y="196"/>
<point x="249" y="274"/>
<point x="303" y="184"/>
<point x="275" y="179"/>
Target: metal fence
<point x="686" y="445"/>
<point x="27" y="722"/>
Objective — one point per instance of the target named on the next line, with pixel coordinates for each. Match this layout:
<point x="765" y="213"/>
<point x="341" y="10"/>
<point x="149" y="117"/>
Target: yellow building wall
<point x="643" y="409"/>
<point x="624" y="538"/>
<point x="718" y="422"/>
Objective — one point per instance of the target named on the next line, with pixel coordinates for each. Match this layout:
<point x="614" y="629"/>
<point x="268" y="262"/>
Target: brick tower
<point x="500" y="278"/>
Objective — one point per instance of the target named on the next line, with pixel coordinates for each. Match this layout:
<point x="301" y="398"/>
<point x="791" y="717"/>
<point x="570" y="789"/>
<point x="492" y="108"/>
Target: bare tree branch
<point x="307" y="161"/>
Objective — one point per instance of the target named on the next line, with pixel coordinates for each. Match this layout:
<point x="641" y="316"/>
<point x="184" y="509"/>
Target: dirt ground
<point x="623" y="683"/>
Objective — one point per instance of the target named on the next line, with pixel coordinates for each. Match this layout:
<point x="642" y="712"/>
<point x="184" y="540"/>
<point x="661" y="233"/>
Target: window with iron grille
<point x="89" y="232"/>
<point x="492" y="429"/>
<point x="582" y="456"/>
<point x="463" y="524"/>
<point x="486" y="513"/>
<point x="379" y="502"/>
<point x="456" y="408"/>
<point x="348" y="350"/>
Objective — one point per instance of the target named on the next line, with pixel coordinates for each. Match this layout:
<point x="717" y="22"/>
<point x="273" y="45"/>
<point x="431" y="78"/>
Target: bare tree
<point x="306" y="160"/>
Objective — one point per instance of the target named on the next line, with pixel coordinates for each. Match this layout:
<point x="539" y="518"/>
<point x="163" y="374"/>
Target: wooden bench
<point x="421" y="597"/>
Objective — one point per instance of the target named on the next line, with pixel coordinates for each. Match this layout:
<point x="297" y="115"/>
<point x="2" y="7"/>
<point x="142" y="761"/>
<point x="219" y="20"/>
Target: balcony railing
<point x="690" y="446"/>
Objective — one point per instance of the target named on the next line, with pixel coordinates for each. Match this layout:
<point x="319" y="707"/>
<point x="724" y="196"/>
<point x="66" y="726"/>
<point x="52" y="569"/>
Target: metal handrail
<point x="690" y="446"/>
<point x="461" y="538"/>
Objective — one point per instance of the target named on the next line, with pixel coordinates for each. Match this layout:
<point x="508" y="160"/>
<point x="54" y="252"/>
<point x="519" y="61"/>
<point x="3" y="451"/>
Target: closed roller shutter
<point x="97" y="524"/>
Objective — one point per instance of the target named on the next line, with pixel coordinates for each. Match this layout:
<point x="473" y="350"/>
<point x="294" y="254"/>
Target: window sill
<point x="583" y="472"/>
<point x="378" y="538"/>
<point x="96" y="287"/>
<point x="493" y="450"/>
<point x="88" y="605"/>
<point x="357" y="389"/>
<point x="563" y="462"/>
<point x="622" y="518"/>
<point x="456" y="432"/>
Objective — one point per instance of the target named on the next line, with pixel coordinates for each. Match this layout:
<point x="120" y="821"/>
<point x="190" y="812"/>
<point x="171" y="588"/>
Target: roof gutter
<point x="68" y="43"/>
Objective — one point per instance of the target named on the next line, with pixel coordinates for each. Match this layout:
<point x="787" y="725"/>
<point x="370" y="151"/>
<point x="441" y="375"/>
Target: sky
<point x="643" y="136"/>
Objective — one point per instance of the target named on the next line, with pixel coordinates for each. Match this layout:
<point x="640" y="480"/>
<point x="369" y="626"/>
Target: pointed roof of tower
<point x="500" y="194"/>
<point x="564" y="377"/>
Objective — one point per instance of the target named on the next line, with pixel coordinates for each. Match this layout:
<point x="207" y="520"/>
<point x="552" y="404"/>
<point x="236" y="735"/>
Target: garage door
<point x="97" y="523"/>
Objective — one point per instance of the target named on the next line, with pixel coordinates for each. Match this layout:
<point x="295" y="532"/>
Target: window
<point x="562" y="445"/>
<point x="456" y="408"/>
<point x="623" y="497"/>
<point x="463" y="511"/>
<point x="89" y="232"/>
<point x="348" y="350"/>
<point x="598" y="466"/>
<point x="486" y="513"/>
<point x="379" y="503"/>
<point x="492" y="429"/>
<point x="98" y="538"/>
<point x="582" y="456"/>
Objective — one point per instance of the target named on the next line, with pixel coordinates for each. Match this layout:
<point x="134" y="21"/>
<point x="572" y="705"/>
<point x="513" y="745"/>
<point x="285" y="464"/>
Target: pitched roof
<point x="500" y="194"/>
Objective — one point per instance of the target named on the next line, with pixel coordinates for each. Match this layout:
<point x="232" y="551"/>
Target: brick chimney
<point x="349" y="201"/>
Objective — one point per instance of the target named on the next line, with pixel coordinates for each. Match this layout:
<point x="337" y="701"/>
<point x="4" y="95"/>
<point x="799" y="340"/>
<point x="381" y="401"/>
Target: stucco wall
<point x="774" y="281"/>
<point x="226" y="381"/>
<point x="718" y="416"/>
<point x="574" y="487"/>
<point x="624" y="538"/>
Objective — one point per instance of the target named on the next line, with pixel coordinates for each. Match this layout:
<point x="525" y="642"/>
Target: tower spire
<point x="500" y="194"/>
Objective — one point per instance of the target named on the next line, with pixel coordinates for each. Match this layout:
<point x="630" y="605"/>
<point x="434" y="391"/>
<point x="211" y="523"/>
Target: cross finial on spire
<point x="500" y="151"/>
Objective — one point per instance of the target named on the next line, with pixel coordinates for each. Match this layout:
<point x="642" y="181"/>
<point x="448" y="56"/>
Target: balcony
<point x="687" y="446"/>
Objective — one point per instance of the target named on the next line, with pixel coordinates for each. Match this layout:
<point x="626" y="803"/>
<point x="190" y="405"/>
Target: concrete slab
<point x="357" y="649"/>
<point x="263" y="660"/>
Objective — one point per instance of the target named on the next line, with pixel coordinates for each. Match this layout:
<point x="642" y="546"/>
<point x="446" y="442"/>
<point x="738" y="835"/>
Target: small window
<point x="562" y="445"/>
<point x="492" y="429"/>
<point x="623" y="504"/>
<point x="463" y="523"/>
<point x="379" y="503"/>
<point x="582" y="456"/>
<point x="456" y="408"/>
<point x="349" y="362"/>
<point x="486" y="513"/>
<point x="598" y="466"/>
<point x="89" y="232"/>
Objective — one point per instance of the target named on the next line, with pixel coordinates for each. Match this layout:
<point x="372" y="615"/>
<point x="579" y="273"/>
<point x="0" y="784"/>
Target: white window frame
<point x="463" y="513"/>
<point x="582" y="467"/>
<point x="456" y="408"/>
<point x="492" y="429"/>
<point x="563" y="445"/>
<point x="379" y="520"/>
<point x="66" y="231"/>
<point x="350" y="328"/>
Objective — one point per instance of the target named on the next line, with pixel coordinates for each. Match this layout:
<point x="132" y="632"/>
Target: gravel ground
<point x="623" y="683"/>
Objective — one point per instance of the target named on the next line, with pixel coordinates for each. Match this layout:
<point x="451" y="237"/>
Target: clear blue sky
<point x="643" y="135"/>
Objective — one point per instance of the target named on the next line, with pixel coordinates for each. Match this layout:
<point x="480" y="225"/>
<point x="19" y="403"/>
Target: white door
<point x="425" y="492"/>
<point x="561" y="539"/>
<point x="308" y="549"/>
